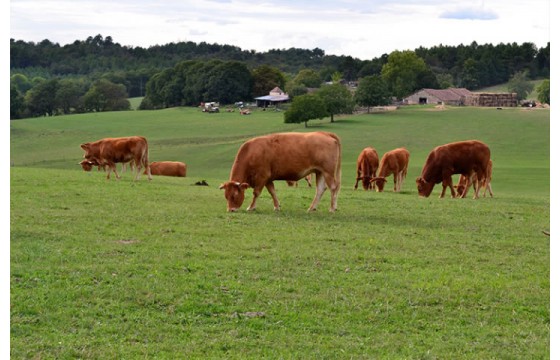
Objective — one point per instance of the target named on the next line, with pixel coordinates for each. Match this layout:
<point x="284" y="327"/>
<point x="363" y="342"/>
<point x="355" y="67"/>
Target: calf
<point x="168" y="168"/>
<point x="393" y="162"/>
<point x="366" y="168"/>
<point x="465" y="182"/>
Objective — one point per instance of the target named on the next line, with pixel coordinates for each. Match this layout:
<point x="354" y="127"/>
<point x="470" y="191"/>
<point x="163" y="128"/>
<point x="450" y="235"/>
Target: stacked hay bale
<point x="492" y="99"/>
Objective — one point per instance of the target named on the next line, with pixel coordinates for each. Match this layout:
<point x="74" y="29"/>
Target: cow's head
<point x="86" y="165"/>
<point x="367" y="182"/>
<point x="424" y="188"/>
<point x="234" y="194"/>
<point x="379" y="183"/>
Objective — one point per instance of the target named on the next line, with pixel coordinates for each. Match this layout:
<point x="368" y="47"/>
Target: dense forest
<point x="99" y="64"/>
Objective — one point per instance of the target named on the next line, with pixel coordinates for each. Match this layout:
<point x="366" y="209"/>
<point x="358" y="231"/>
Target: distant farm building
<point x="451" y="96"/>
<point x="275" y="97"/>
<point x="461" y="96"/>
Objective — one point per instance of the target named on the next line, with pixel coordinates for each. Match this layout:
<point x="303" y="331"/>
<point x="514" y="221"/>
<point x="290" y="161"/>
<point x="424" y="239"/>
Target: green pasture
<point x="158" y="269"/>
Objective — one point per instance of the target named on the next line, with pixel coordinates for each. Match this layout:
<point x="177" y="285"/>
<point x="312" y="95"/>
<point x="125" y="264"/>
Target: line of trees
<point x="187" y="73"/>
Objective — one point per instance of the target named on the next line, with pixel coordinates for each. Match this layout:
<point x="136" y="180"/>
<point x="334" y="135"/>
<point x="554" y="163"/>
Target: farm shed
<point x="451" y="96"/>
<point x="492" y="99"/>
<point x="275" y="97"/>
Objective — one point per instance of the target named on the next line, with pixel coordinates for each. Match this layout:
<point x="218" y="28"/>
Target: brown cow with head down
<point x="466" y="182"/>
<point x="285" y="156"/>
<point x="463" y="157"/>
<point x="109" y="151"/>
<point x="366" y="168"/>
<point x="168" y="168"/>
<point x="393" y="162"/>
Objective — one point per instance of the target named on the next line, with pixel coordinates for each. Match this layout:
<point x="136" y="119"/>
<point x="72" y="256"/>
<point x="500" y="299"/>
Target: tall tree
<point x="401" y="72"/>
<point x="469" y="76"/>
<point x="17" y="103"/>
<point x="337" y="98"/>
<point x="372" y="91"/>
<point x="520" y="85"/>
<point x="308" y="77"/>
<point x="304" y="108"/>
<point x="69" y="95"/>
<point x="543" y="92"/>
<point x="266" y="78"/>
<point x="104" y="95"/>
<point x="41" y="99"/>
<point x="229" y="82"/>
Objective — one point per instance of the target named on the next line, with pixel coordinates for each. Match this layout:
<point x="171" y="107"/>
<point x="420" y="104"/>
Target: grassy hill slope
<point x="123" y="269"/>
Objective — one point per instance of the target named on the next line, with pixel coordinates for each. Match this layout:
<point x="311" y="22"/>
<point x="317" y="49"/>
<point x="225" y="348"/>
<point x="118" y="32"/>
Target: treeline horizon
<point x="472" y="66"/>
<point x="98" y="74"/>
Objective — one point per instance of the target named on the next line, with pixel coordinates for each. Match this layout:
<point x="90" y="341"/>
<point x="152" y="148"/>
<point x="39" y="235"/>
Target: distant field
<point x="123" y="269"/>
<point x="135" y="102"/>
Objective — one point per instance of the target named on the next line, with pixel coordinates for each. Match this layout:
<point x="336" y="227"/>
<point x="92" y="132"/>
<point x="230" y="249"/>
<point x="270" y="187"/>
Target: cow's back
<point x="459" y="157"/>
<point x="286" y="156"/>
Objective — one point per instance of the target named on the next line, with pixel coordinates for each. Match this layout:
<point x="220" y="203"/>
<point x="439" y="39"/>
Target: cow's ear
<point x="85" y="146"/>
<point x="222" y="186"/>
<point x="244" y="186"/>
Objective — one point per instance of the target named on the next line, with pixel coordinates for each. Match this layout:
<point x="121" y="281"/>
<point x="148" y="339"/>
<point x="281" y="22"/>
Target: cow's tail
<point x="146" y="161"/>
<point x="338" y="175"/>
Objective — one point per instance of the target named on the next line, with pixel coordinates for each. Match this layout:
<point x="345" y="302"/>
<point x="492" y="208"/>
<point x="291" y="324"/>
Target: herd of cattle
<point x="293" y="156"/>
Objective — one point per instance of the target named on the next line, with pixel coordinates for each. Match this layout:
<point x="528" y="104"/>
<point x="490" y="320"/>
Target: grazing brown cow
<point x="393" y="162"/>
<point x="285" y="156"/>
<point x="366" y="168"/>
<point x="292" y="183"/>
<point x="466" y="182"/>
<point x="463" y="157"/>
<point x="109" y="151"/>
<point x="168" y="168"/>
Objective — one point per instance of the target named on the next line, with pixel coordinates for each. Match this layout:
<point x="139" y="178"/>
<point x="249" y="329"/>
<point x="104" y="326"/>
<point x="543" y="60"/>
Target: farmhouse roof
<point x="451" y="94"/>
<point x="273" y="97"/>
<point x="276" y="90"/>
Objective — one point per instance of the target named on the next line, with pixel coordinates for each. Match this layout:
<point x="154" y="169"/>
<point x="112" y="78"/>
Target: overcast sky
<point x="362" y="29"/>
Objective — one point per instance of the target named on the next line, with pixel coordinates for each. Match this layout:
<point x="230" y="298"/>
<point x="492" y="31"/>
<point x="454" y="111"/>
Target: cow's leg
<point x="272" y="191"/>
<point x="395" y="181"/>
<point x="335" y="189"/>
<point x="112" y="167"/>
<point x="465" y="189"/>
<point x="256" y="192"/>
<point x="308" y="179"/>
<point x="321" y="186"/>
<point x="489" y="188"/>
<point x="479" y="178"/>
<point x="327" y="181"/>
<point x="358" y="177"/>
<point x="447" y="182"/>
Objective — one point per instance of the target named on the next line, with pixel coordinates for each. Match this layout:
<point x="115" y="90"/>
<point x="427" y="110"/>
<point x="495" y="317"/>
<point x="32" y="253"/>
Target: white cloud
<point x="469" y="14"/>
<point x="363" y="29"/>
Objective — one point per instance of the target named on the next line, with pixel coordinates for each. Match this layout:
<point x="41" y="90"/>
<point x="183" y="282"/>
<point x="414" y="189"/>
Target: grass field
<point x="124" y="269"/>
